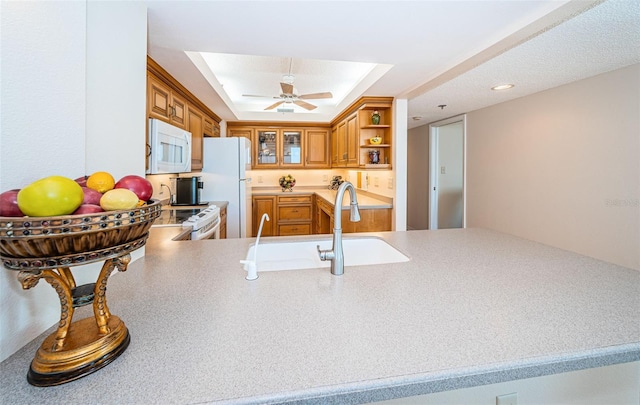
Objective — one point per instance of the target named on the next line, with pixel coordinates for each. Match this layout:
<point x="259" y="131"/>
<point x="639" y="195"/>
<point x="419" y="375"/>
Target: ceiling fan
<point x="288" y="96"/>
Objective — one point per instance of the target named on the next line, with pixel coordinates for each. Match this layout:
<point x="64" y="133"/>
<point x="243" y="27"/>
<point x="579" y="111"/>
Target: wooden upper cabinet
<point x="158" y="99"/>
<point x="317" y="154"/>
<point x="208" y="127"/>
<point x="286" y="145"/>
<point x="195" y="125"/>
<point x="240" y="132"/>
<point x="352" y="141"/>
<point x="341" y="144"/>
<point x="179" y="106"/>
<point x="353" y="130"/>
<point x="164" y="104"/>
<point x="170" y="101"/>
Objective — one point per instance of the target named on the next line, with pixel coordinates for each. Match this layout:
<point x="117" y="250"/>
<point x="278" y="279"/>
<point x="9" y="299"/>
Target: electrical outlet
<point x="325" y="177"/>
<point x="259" y="179"/>
<point x="443" y="170"/>
<point x="507" y="399"/>
<point x="376" y="181"/>
<point x="390" y="184"/>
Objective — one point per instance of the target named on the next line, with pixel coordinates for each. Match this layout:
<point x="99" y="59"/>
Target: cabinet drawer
<point x="294" y="213"/>
<point x="294" y="229"/>
<point x="291" y="199"/>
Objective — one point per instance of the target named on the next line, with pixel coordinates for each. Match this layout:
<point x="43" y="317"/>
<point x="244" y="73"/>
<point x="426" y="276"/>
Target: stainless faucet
<point x="336" y="254"/>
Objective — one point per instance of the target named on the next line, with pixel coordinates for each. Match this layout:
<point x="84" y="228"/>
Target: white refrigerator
<point x="224" y="174"/>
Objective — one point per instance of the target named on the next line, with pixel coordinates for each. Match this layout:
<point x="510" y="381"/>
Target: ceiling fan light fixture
<point x="502" y="87"/>
<point x="288" y="79"/>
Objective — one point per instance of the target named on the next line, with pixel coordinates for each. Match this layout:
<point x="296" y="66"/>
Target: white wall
<point x="562" y="167"/>
<point x="59" y="117"/>
<point x="418" y="178"/>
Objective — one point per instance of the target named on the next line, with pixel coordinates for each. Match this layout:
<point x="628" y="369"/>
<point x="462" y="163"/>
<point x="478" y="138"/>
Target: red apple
<point x="82" y="181"/>
<point x="88" y="209"/>
<point x="91" y="196"/>
<point x="9" y="204"/>
<point x="139" y="185"/>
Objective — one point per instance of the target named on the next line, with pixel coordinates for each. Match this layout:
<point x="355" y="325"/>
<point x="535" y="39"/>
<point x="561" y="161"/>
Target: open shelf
<point x="382" y="145"/>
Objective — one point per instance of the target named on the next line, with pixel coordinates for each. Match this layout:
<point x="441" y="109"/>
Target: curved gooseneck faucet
<point x="251" y="266"/>
<point x="336" y="254"/>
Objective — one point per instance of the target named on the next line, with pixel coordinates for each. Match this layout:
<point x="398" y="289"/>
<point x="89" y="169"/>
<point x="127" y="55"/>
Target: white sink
<point x="297" y="255"/>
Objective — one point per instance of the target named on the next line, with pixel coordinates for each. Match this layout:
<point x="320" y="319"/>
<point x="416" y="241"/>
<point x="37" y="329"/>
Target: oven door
<point x="209" y="231"/>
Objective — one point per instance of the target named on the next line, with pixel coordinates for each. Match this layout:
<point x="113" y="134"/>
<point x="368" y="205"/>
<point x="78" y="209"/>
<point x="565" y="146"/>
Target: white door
<point x="447" y="174"/>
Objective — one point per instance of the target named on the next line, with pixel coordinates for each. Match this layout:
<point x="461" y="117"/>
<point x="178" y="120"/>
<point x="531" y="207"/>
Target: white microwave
<point x="170" y="148"/>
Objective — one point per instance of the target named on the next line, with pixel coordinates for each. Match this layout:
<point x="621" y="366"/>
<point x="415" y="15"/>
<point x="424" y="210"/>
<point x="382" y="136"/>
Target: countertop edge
<point x="428" y="383"/>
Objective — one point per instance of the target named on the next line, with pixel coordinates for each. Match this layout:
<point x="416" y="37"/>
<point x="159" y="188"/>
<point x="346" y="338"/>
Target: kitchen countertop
<point x="366" y="200"/>
<point x="471" y="307"/>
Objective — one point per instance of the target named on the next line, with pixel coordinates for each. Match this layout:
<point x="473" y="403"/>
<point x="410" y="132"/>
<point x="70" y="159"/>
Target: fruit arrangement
<point x="58" y="195"/>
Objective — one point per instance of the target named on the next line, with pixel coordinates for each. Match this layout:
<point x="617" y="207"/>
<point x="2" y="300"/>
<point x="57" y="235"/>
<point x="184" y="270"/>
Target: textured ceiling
<point x="430" y="52"/>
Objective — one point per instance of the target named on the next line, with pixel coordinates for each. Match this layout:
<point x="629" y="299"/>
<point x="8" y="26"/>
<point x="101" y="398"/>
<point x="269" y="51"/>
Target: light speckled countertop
<point x="472" y="307"/>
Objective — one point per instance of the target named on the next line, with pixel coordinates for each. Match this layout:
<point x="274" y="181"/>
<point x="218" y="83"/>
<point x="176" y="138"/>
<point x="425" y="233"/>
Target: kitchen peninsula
<point x="472" y="307"/>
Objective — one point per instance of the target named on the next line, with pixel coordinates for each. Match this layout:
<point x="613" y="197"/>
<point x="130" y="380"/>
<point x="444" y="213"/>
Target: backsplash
<point x="378" y="180"/>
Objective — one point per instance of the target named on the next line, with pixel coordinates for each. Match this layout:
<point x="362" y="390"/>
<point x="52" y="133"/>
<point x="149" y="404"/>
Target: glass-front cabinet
<point x="279" y="148"/>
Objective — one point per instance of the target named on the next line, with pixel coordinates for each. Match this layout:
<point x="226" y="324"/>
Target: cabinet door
<point x="240" y="132"/>
<point x="260" y="206"/>
<point x="353" y="147"/>
<point x="334" y="146"/>
<point x="159" y="99"/>
<point x="292" y="148"/>
<point x="208" y="126"/>
<point x="267" y="148"/>
<point x="342" y="144"/>
<point x="317" y="148"/>
<point x="179" y="111"/>
<point x="223" y="223"/>
<point x="195" y="125"/>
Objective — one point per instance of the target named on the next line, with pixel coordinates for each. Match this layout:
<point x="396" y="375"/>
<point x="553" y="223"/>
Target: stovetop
<point x="175" y="216"/>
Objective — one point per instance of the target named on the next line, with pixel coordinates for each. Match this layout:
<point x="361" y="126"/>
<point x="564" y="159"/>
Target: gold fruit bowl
<point x="375" y="141"/>
<point x="27" y="243"/>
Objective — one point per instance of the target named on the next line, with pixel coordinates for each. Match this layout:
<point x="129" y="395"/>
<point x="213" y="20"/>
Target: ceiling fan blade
<point x="272" y="106"/>
<point x="316" y="95"/>
<point x="286" y="88"/>
<point x="304" y="104"/>
<point x="254" y="95"/>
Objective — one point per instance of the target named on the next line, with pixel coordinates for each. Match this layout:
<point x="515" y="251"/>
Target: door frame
<point x="434" y="164"/>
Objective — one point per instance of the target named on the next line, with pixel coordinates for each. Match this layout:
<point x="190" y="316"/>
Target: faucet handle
<point x="325" y="254"/>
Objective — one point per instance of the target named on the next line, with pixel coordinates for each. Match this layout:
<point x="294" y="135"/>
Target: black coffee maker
<point x="188" y="191"/>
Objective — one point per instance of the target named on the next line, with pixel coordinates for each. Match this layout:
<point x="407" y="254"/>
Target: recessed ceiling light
<point x="502" y="87"/>
<point x="417" y="118"/>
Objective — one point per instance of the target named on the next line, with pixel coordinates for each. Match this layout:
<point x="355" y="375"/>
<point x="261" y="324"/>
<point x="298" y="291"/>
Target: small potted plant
<point x="287" y="182"/>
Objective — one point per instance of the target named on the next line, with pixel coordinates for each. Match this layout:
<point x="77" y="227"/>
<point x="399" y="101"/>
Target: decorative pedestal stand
<point x="82" y="347"/>
<point x="46" y="248"/>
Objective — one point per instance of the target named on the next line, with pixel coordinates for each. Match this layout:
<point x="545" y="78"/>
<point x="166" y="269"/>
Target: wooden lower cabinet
<point x="223" y="223"/>
<point x="307" y="214"/>
<point x="371" y="220"/>
<point x="295" y="215"/>
<point x="264" y="204"/>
